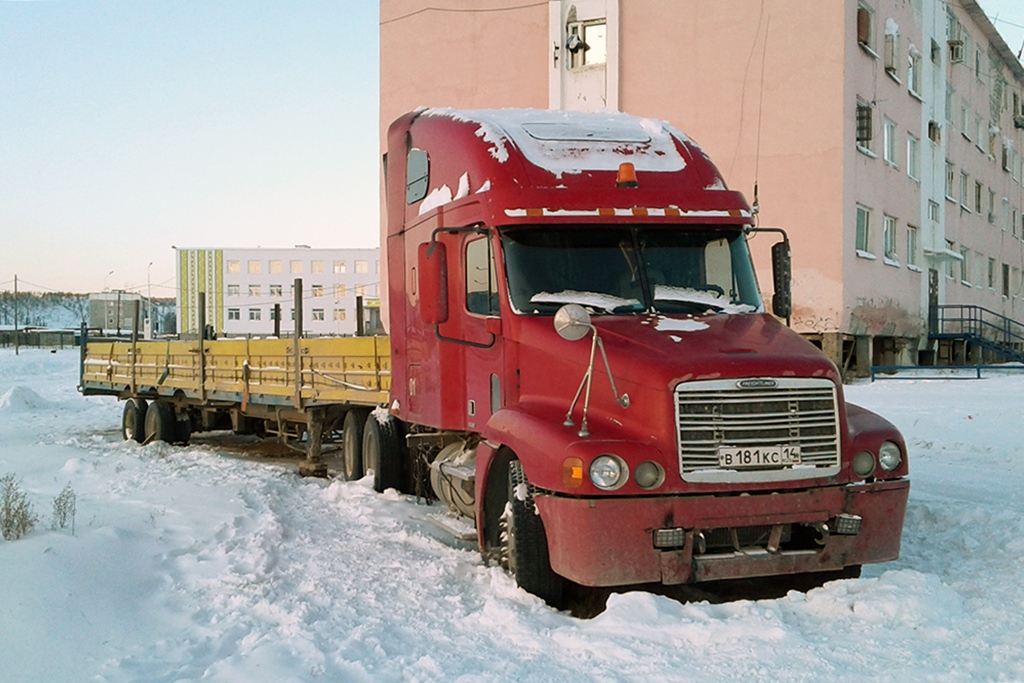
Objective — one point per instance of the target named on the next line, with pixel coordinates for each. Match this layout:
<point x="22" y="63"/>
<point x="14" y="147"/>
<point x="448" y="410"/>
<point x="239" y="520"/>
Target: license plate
<point x="734" y="457"/>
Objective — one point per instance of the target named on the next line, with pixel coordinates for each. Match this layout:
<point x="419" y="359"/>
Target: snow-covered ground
<point x="192" y="563"/>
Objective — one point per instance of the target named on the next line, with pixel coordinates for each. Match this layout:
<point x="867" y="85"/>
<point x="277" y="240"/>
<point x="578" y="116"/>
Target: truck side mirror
<point x="432" y="264"/>
<point x="782" y="271"/>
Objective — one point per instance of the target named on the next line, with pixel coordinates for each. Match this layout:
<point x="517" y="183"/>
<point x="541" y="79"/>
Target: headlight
<point x="608" y="472"/>
<point x="889" y="456"/>
<point x="864" y="464"/>
<point x="649" y="475"/>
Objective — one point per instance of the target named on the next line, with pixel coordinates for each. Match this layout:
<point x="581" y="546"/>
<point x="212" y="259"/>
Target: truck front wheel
<point x="526" y="544"/>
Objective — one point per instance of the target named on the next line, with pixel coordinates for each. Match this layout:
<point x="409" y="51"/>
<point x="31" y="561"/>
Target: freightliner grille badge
<point x="757" y="384"/>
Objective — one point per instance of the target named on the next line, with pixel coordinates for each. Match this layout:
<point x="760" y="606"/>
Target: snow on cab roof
<point x="572" y="142"/>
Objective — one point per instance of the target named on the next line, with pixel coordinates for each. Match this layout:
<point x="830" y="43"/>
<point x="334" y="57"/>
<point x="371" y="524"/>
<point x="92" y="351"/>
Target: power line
<point x="464" y="10"/>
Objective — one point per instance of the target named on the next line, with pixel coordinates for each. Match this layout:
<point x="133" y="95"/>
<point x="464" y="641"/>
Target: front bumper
<point x="610" y="541"/>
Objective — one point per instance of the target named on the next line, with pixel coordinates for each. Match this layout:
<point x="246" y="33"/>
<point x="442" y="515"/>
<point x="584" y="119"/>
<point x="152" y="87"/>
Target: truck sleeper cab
<point x="669" y="430"/>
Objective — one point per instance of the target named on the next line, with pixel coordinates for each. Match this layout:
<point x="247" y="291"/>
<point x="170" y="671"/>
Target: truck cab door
<point x="476" y="316"/>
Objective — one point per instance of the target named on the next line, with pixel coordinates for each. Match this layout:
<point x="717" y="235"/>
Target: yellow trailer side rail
<point x="330" y="370"/>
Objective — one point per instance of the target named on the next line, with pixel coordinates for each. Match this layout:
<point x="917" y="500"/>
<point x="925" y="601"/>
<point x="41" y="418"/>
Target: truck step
<point x="459" y="527"/>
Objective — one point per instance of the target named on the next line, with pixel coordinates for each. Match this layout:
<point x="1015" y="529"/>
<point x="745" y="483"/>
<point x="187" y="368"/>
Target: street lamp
<point x="105" y="278"/>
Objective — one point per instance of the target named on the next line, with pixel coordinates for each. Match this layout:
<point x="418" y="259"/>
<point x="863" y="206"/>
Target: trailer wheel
<point x="161" y="424"/>
<point x="182" y="428"/>
<point x="133" y="420"/>
<point x="382" y="452"/>
<point x="352" y="444"/>
<point x="526" y="544"/>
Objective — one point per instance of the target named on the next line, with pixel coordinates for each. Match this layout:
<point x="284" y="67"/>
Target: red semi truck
<point x="580" y="362"/>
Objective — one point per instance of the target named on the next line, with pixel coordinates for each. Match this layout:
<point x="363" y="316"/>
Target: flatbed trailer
<point x="299" y="389"/>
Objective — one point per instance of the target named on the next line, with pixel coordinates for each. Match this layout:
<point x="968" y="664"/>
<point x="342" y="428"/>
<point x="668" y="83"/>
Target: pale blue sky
<point x="130" y="126"/>
<point x="127" y="127"/>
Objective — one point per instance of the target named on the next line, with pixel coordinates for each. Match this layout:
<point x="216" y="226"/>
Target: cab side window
<point x="481" y="278"/>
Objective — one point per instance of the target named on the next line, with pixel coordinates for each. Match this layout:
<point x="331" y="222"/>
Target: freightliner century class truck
<point x="579" y="364"/>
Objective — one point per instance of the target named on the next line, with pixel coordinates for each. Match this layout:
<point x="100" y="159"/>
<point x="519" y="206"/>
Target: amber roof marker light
<point x="627" y="175"/>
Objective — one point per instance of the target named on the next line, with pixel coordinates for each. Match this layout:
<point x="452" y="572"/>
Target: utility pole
<point x="149" y="302"/>
<point x="16" y="351"/>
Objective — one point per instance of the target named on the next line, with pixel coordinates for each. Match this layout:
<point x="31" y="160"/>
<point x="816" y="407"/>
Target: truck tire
<point x="133" y="420"/>
<point x="182" y="428"/>
<point x="161" y="424"/>
<point x="383" y="452"/>
<point x="527" y="544"/>
<point x="352" y="444"/>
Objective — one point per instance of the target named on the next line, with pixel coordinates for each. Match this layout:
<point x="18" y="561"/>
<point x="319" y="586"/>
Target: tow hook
<point x="823" y="532"/>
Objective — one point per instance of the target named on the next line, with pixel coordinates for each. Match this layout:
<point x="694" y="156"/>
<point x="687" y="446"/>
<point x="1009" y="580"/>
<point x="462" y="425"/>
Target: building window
<point x="979" y="194"/>
<point x="866" y="27"/>
<point x="911" y="246"/>
<point x="864" y="125"/>
<point x="947" y="268"/>
<point x="991" y="273"/>
<point x="275" y="290"/>
<point x="234" y="314"/>
<point x="913" y="157"/>
<point x="233" y="290"/>
<point x="914" y="71"/>
<point x="1013" y="221"/>
<point x="339" y="314"/>
<point x="587" y="43"/>
<point x="949" y="104"/>
<point x="234" y="266"/>
<point x="863" y="230"/>
<point x="316" y="267"/>
<point x="318" y="290"/>
<point x="977" y="63"/>
<point x="965" y="265"/>
<point x="889" y="142"/>
<point x="993" y="136"/>
<point x="255" y="314"/>
<point x="965" y="119"/>
<point x="933" y="210"/>
<point x="339" y="291"/>
<point x="254" y="266"/>
<point x="318" y="314"/>
<point x="977" y="132"/>
<point x="964" y="185"/>
<point x="273" y="312"/>
<point x="991" y="207"/>
<point x="892" y="48"/>
<point x="361" y="290"/>
<point x="274" y="266"/>
<point x="296" y="267"/>
<point x="889" y="238"/>
<point x="950" y="179"/>
<point x="361" y="267"/>
<point x="1006" y="280"/>
<point x="254" y="290"/>
<point x="339" y="267"/>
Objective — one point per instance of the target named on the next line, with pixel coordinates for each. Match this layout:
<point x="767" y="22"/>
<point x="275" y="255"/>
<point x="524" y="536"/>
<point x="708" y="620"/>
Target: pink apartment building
<point x="884" y="135"/>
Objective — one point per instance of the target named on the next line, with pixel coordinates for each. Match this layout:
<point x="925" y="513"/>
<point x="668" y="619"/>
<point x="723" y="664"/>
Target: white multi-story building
<point x="242" y="287"/>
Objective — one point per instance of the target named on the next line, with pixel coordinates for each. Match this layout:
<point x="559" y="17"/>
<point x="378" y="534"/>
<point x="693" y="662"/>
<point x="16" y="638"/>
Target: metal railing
<point x="980" y="324"/>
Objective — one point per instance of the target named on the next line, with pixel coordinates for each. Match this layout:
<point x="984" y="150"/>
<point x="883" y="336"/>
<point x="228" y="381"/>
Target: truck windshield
<point x="630" y="269"/>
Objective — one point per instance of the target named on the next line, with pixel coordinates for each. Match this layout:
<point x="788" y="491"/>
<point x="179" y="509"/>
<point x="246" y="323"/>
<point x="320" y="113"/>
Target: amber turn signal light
<point x="572" y="472"/>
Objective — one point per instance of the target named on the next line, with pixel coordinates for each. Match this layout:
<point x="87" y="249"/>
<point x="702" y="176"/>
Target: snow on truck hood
<point x="572" y="142"/>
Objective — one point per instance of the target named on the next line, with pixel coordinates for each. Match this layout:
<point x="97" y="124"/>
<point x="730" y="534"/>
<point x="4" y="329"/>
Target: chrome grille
<point x="794" y="412"/>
